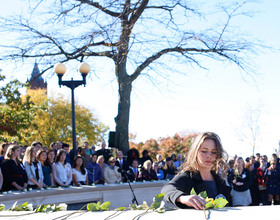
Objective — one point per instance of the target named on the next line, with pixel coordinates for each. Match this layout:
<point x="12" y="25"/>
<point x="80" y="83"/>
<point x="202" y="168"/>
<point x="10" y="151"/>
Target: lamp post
<point x="60" y="69"/>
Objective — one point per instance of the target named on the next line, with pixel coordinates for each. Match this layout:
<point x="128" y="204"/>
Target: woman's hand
<point x="192" y="201"/>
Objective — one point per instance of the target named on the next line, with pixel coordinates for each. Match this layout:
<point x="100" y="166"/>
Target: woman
<point x="33" y="168"/>
<point x="103" y="166"/>
<point x="14" y="175"/>
<point x="3" y="149"/>
<point x="148" y="173"/>
<point x="79" y="173"/>
<point x="241" y="195"/>
<point x="272" y="180"/>
<point x="111" y="174"/>
<point x="159" y="172"/>
<point x="62" y="172"/>
<point x="254" y="189"/>
<point x="50" y="157"/>
<point x="200" y="171"/>
<point x="169" y="169"/>
<point x="46" y="168"/>
<point x="94" y="171"/>
<point x="160" y="161"/>
<point x="261" y="183"/>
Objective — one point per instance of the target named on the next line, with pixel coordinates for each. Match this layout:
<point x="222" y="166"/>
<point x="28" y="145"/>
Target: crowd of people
<point x="253" y="181"/>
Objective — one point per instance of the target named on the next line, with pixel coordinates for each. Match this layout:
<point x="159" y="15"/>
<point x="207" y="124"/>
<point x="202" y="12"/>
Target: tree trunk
<point x="122" y="119"/>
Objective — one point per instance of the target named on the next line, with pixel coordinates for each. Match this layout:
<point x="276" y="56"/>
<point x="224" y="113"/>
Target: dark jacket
<point x="245" y="178"/>
<point x="183" y="183"/>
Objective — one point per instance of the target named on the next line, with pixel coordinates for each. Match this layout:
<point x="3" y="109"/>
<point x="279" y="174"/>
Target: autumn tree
<point x="139" y="37"/>
<point x="16" y="112"/>
<point x="53" y="121"/>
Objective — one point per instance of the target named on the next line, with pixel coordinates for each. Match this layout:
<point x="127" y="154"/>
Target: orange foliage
<point x="178" y="144"/>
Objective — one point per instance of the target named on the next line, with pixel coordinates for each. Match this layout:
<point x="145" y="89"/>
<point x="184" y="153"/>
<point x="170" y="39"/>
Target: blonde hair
<point x="9" y="151"/>
<point x="191" y="164"/>
<point x="145" y="165"/>
<point x="28" y="154"/>
<point x="99" y="158"/>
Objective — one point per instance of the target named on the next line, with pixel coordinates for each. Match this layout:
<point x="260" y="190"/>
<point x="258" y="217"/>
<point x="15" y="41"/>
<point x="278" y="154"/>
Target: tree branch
<point x="97" y="5"/>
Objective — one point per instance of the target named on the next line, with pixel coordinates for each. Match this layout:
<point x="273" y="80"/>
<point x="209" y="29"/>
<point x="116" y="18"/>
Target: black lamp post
<point x="60" y="69"/>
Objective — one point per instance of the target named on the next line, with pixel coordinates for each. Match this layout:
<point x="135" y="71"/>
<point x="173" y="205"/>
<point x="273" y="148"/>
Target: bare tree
<point x="139" y="36"/>
<point x="250" y="131"/>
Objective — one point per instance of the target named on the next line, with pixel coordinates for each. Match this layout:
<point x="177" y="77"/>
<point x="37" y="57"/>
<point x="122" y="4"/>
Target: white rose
<point x="62" y="207"/>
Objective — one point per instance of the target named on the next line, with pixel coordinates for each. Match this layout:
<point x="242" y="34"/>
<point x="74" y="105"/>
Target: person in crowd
<point x="80" y="174"/>
<point x="51" y="157"/>
<point x="258" y="157"/>
<point x="145" y="157"/>
<point x="14" y="175"/>
<point x="254" y="189"/>
<point x="272" y="180"/>
<point x="123" y="164"/>
<point x="86" y="158"/>
<point x="173" y="157"/>
<point x="254" y="163"/>
<point x="111" y="173"/>
<point x="230" y="172"/>
<point x="261" y="183"/>
<point x="46" y="168"/>
<point x="179" y="161"/>
<point x="242" y="180"/>
<point x="103" y="166"/>
<point x="1" y="180"/>
<point x="3" y="149"/>
<point x="134" y="173"/>
<point x="159" y="172"/>
<point x="38" y="145"/>
<point x="22" y="151"/>
<point x="62" y="172"/>
<point x="148" y="174"/>
<point x="33" y="168"/>
<point x="160" y="161"/>
<point x="104" y="152"/>
<point x="132" y="154"/>
<point x="169" y="169"/>
<point x="94" y="171"/>
<point x="53" y="146"/>
<point x="59" y="145"/>
<point x="66" y="148"/>
<point x="201" y="171"/>
<point x="89" y="150"/>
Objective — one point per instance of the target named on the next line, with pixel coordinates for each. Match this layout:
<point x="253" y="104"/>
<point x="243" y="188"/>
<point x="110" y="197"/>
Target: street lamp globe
<point x="84" y="68"/>
<point x="59" y="68"/>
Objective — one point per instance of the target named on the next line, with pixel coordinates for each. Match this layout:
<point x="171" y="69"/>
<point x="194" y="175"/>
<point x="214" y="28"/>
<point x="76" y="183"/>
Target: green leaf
<point x="24" y="204"/>
<point x="193" y="192"/>
<point x="2" y="207"/>
<point x="105" y="206"/>
<point x="209" y="205"/>
<point x="93" y="207"/>
<point x="158" y="197"/>
<point x="220" y="202"/>
<point x="203" y="194"/>
<point x="155" y="205"/>
<point x="120" y="209"/>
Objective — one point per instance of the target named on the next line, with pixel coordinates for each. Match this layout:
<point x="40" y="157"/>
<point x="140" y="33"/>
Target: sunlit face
<point x="62" y="157"/>
<point x="43" y="156"/>
<point x="135" y="164"/>
<point x="51" y="156"/>
<point x="207" y="154"/>
<point x="33" y="154"/>
<point x="79" y="162"/>
<point x="262" y="162"/>
<point x="16" y="152"/>
<point x="239" y="163"/>
<point x="94" y="158"/>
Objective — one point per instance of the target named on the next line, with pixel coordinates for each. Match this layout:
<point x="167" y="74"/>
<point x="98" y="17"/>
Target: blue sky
<point x="213" y="99"/>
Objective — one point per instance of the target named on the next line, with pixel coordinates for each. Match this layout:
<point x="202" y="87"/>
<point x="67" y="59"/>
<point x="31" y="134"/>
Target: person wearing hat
<point x="111" y="174"/>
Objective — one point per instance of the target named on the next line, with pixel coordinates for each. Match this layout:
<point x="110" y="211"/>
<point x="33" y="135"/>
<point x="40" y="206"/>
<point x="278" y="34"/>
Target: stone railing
<point x="118" y="194"/>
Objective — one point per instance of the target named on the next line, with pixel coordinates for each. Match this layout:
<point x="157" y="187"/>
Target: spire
<point x="36" y="81"/>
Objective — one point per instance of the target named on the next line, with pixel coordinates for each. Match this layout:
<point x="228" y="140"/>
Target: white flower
<point x="62" y="207"/>
<point x="29" y="207"/>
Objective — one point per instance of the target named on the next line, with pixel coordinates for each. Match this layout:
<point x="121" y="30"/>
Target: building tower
<point x="36" y="81"/>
